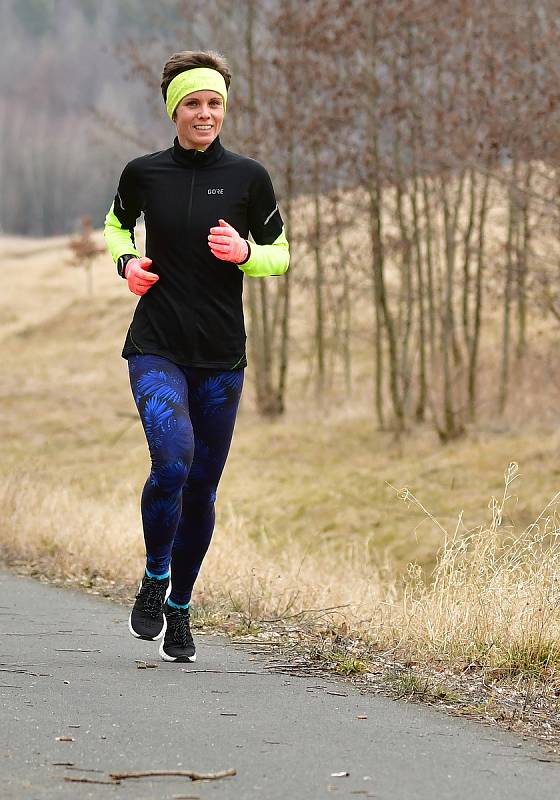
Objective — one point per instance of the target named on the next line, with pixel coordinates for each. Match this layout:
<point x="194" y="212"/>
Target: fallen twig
<point x="297" y="665"/>
<point x="226" y="671"/>
<point x="82" y="769"/>
<point x="291" y="673"/>
<point x="71" y="779"/>
<point x="39" y="633"/>
<point x="23" y="672"/>
<point x="182" y="773"/>
<point x="546" y="760"/>
<point x="185" y="796"/>
<point x="305" y="611"/>
<point x="242" y="643"/>
<point x="74" y="650"/>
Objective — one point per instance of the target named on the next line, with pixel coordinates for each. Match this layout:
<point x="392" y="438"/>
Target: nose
<point x="204" y="112"/>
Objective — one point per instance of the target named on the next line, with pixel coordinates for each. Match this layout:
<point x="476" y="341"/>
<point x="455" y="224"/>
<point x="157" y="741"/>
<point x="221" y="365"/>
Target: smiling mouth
<point x="203" y="127"/>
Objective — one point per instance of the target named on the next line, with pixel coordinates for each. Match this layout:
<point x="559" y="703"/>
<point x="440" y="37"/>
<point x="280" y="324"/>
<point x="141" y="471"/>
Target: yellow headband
<point x="194" y="80"/>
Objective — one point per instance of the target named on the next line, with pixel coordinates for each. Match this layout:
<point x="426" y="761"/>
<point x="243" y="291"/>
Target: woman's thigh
<point x="161" y="393"/>
<point x="213" y="400"/>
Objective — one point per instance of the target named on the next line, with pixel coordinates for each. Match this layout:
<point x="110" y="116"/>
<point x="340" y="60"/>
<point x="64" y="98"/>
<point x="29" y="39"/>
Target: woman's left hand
<point x="226" y="244"/>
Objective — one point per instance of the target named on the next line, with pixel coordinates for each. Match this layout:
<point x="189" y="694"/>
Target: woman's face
<point x="199" y="117"/>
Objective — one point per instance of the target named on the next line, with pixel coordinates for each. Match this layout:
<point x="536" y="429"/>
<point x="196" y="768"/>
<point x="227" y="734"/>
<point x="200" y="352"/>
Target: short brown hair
<point x="189" y="59"/>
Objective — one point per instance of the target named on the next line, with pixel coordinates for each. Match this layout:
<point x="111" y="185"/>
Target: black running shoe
<point x="146" y="619"/>
<point x="178" y="643"/>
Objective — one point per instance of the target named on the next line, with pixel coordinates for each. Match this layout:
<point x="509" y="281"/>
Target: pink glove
<point x="226" y="244"/>
<point x="137" y="275"/>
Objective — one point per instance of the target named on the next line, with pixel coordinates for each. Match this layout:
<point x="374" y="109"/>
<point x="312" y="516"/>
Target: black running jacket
<point x="193" y="315"/>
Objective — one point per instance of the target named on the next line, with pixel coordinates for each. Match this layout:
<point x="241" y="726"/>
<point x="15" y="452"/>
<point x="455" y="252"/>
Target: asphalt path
<point x="68" y="669"/>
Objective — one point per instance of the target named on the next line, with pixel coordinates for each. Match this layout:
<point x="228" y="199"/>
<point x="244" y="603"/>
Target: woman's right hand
<point x="138" y="278"/>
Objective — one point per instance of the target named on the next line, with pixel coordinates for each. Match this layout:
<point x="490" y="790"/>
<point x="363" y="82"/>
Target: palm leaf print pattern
<point x="180" y="429"/>
<point x="156" y="412"/>
<point x="211" y="395"/>
<point x="162" y="385"/>
<point x="188" y="415"/>
<point x="161" y="512"/>
<point x="172" y="474"/>
<point x="233" y="380"/>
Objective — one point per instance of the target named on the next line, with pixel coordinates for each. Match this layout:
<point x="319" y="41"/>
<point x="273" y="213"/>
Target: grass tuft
<point x="406" y="684"/>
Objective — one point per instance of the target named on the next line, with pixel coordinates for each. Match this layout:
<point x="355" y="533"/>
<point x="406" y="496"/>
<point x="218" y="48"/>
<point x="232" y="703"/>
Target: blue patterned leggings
<point x="188" y="416"/>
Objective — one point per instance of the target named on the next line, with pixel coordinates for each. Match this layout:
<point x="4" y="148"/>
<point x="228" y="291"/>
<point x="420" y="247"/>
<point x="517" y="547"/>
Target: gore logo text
<point x="215" y="191"/>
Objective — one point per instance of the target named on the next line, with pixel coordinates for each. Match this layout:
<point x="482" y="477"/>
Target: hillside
<point x="320" y="477"/>
<point x="308" y="512"/>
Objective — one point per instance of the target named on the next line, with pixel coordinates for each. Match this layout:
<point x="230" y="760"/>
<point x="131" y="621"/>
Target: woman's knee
<point x="169" y="475"/>
<point x="199" y="493"/>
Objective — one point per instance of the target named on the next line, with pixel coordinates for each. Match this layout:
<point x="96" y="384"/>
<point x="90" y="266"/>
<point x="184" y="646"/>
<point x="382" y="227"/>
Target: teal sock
<point x="159" y="577"/>
<point x="177" y="605"/>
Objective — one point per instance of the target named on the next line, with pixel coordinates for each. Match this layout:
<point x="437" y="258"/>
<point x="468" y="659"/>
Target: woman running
<point x="186" y="344"/>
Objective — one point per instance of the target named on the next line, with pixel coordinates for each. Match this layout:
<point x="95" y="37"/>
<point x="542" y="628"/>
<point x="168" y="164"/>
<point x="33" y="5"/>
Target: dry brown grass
<point x="306" y="520"/>
<point x="492" y="599"/>
<point x="494" y="595"/>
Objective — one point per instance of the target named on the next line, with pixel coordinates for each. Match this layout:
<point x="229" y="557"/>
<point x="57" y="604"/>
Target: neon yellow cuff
<point x="267" y="259"/>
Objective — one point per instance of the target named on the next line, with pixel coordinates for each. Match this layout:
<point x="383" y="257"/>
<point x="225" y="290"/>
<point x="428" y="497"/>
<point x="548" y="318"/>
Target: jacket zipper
<point x="189" y="210"/>
<point x="190" y="199"/>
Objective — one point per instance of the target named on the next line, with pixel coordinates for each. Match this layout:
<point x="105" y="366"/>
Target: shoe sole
<point x="180" y="659"/>
<point x="164" y="628"/>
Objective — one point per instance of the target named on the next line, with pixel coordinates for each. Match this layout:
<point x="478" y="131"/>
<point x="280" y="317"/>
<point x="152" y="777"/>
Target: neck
<point x="189" y="145"/>
<point x="191" y="156"/>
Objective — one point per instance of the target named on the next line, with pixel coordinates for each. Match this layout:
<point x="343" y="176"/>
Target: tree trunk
<point x="524" y="238"/>
<point x="318" y="280"/>
<point x="508" y="287"/>
<point x="474" y="339"/>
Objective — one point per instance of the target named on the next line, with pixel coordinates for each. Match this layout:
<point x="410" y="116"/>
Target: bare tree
<point x="85" y="251"/>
